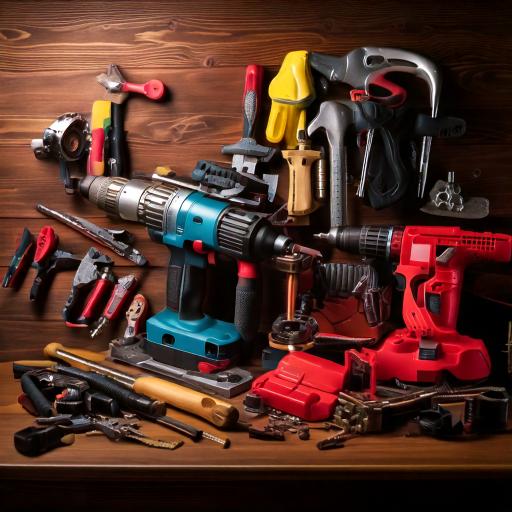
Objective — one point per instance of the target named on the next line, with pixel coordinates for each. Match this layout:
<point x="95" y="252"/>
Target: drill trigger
<point x="197" y="246"/>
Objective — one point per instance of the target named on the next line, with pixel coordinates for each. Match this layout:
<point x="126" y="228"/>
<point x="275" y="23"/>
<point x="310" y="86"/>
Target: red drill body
<point x="430" y="270"/>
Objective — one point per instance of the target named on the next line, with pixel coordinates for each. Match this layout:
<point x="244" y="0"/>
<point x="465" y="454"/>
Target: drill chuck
<point x="372" y="241"/>
<point x="135" y="200"/>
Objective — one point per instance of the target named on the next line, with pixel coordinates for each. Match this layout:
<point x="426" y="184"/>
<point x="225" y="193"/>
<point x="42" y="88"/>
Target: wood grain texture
<point x="49" y="57"/>
<point x="50" y="53"/>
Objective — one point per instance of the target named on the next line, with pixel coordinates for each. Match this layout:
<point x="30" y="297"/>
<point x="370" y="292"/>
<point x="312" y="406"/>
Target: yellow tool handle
<point x="217" y="412"/>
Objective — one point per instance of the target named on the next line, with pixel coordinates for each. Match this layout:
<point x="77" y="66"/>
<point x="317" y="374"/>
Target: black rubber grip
<point x="185" y="286"/>
<point x="32" y="441"/>
<point x="40" y="402"/>
<point x="247" y="309"/>
<point x="209" y="173"/>
<point x="65" y="176"/>
<point x="110" y="387"/>
<point x="388" y="177"/>
<point x="178" y="426"/>
<point x="342" y="278"/>
<point x="19" y="369"/>
<point x="117" y="164"/>
<point x="37" y="286"/>
<point x="443" y="127"/>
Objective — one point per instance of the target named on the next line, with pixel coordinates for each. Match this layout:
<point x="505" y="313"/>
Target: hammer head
<point x="113" y="80"/>
<point x="331" y="67"/>
<point x="368" y="65"/>
<point x="334" y="118"/>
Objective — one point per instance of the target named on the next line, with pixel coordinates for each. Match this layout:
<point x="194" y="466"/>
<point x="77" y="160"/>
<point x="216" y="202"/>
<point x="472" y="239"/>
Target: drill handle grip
<point x="247" y="304"/>
<point x="186" y="283"/>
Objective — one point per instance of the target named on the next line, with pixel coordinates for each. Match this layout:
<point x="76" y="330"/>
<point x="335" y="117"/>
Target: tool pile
<point x="337" y="354"/>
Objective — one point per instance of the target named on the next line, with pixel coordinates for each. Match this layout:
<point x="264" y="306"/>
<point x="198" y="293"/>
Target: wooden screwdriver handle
<point x="218" y="412"/>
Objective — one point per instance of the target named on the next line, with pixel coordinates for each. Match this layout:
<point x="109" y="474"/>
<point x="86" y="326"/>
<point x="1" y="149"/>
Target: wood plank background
<point x="50" y="53"/>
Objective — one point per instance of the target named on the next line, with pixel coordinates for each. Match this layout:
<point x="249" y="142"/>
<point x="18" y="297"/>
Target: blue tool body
<point x="197" y="339"/>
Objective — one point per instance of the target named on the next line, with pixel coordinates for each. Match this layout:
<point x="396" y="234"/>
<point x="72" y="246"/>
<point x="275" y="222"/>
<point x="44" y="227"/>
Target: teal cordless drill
<point x="194" y="226"/>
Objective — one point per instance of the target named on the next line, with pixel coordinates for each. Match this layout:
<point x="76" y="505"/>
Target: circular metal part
<point x="67" y="137"/>
<point x="293" y="335"/>
<point x="292" y="263"/>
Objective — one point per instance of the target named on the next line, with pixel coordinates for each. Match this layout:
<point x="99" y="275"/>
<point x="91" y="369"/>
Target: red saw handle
<point x="153" y="89"/>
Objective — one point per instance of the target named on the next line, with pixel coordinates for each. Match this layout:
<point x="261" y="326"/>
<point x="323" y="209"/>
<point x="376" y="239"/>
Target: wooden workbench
<point x="50" y="53"/>
<point x="110" y="464"/>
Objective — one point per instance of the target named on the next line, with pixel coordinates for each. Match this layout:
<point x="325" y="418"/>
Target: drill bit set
<point x="336" y="352"/>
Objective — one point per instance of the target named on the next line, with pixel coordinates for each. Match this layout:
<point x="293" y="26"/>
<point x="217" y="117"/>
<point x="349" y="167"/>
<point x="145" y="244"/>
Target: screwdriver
<point x="120" y="294"/>
<point x="187" y="430"/>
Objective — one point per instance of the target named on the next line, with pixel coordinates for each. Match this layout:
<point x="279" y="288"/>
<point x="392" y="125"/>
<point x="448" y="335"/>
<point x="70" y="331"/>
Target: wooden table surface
<point x="50" y="53"/>
<point x="380" y="456"/>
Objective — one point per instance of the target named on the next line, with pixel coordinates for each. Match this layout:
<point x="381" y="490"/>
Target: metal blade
<point x="244" y="163"/>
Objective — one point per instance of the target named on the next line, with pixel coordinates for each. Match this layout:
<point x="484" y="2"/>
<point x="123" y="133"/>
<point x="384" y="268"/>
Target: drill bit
<point x="226" y="443"/>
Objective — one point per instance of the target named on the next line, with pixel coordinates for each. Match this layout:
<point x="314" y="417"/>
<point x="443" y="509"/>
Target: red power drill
<point x="431" y="263"/>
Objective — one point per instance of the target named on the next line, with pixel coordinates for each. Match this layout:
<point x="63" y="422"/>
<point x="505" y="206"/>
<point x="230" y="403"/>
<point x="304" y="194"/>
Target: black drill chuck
<point x="371" y="241"/>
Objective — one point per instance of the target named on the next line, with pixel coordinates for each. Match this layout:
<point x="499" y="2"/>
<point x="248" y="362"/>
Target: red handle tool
<point x="94" y="300"/>
<point x="251" y="99"/>
<point x="120" y="294"/>
<point x="46" y="243"/>
<point x="153" y="89"/>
